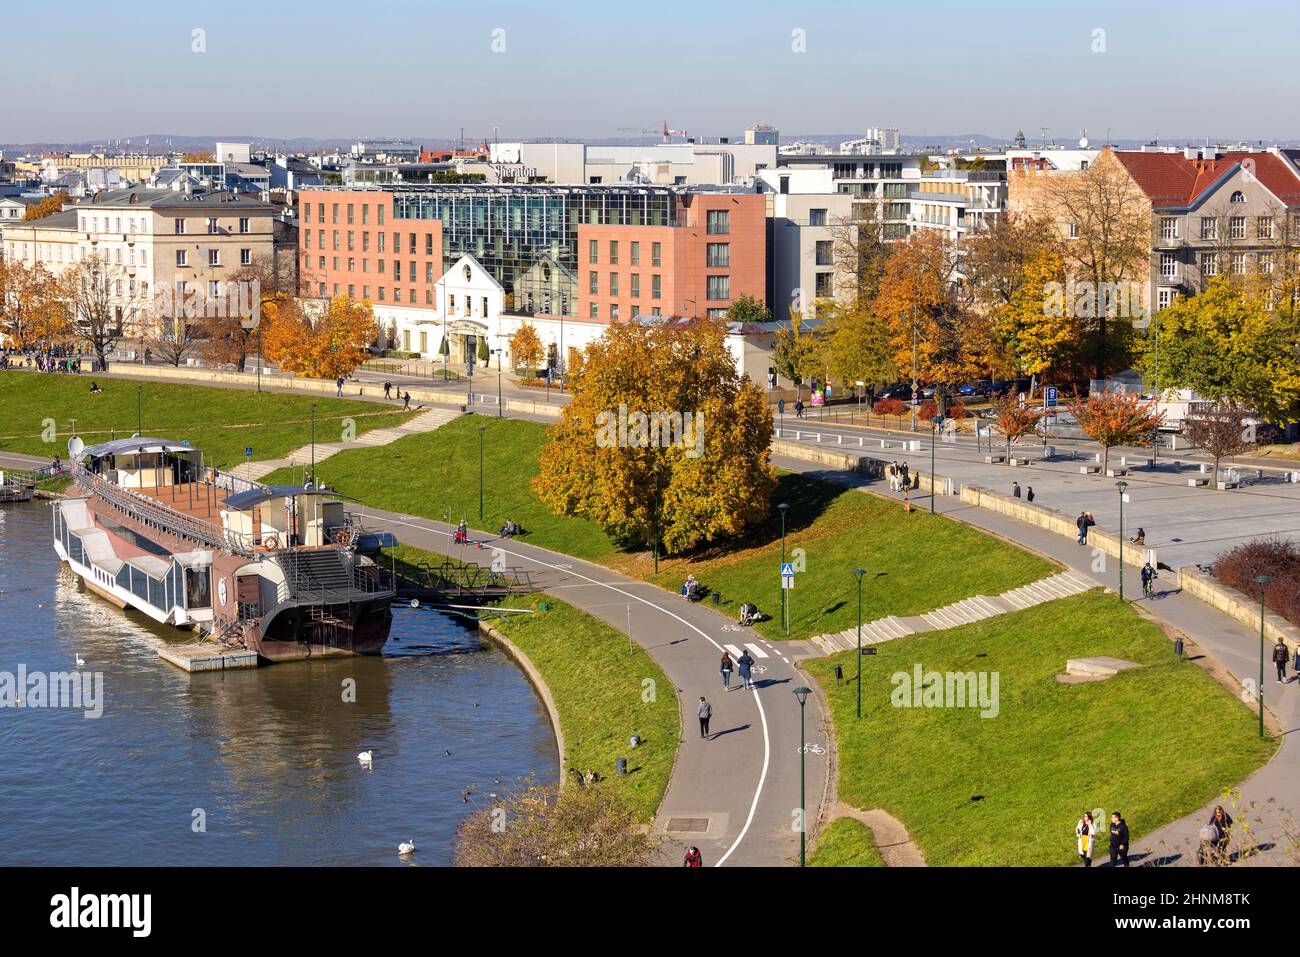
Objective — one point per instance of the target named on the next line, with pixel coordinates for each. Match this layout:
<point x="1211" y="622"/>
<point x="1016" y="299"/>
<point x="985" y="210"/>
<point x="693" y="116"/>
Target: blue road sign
<point x="1051" y="395"/>
<point x="787" y="570"/>
<point x="248" y="450"/>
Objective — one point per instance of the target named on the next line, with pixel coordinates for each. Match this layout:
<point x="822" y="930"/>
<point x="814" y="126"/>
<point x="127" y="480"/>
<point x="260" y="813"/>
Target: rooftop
<point x="1176" y="180"/>
<point x="151" y="198"/>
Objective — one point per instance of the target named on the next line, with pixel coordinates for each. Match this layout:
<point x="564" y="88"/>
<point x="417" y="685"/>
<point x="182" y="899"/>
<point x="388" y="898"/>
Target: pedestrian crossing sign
<point x="787" y="569"/>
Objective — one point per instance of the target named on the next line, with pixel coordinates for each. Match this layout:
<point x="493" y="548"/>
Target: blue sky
<point x="86" y="69"/>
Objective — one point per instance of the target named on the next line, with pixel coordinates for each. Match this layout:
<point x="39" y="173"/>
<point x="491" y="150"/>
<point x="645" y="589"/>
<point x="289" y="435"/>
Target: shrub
<point x="928" y="410"/>
<point x="958" y="411"/>
<point x="1279" y="558"/>
<point x="890" y="407"/>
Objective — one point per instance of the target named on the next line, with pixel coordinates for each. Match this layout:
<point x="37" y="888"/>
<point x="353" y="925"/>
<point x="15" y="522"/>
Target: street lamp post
<point x="934" y="440"/>
<point x="313" y="443"/>
<point x="914" y="393"/>
<point x="1121" y="485"/>
<point x="139" y="415"/>
<point x="1263" y="582"/>
<point x="785" y="613"/>
<point x="858" y="573"/>
<point x="802" y="694"/>
<point x="481" y="430"/>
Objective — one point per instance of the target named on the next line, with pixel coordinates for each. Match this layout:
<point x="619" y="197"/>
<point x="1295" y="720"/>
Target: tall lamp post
<point x="139" y="415"/>
<point x="785" y="614"/>
<point x="481" y="430"/>
<point x="802" y="694"/>
<point x="1263" y="582"/>
<point x="934" y="440"/>
<point x="1121" y="485"/>
<point x="313" y="443"/>
<point x="858" y="573"/>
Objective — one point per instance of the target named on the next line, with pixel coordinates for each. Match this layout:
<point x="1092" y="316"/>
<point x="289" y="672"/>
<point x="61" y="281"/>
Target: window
<point x="382" y="237"/>
<point x="1074" y="230"/>
<point x="428" y="272"/>
<point x="365" y="242"/>
<point x="1237" y="265"/>
<point x="179" y="225"/>
<point x="613" y="312"/>
<point x="397" y="295"/>
<point x="1209" y="227"/>
<point x="1168" y="266"/>
<point x="214" y="288"/>
<point x="719" y="222"/>
<point x="719" y="255"/>
<point x="1165" y="298"/>
<point x="350" y="221"/>
<point x="365" y="221"/>
<point x="816" y="217"/>
<point x="243" y="224"/>
<point x="613" y="252"/>
<point x="1266" y="262"/>
<point x="428" y="244"/>
<point x="593" y="252"/>
<point x="181" y="258"/>
<point x="636" y="285"/>
<point x="613" y="284"/>
<point x="245" y="257"/>
<point x="1237" y="227"/>
<point x="655" y="249"/>
<point x="654" y="311"/>
<point x="412" y="244"/>
<point x="654" y="286"/>
<point x="594" y="311"/>
<point x="1209" y="264"/>
<point x="380" y="210"/>
<point x="352" y="290"/>
<point x="214" y="257"/>
<point x="352" y="264"/>
<point x="1264" y="227"/>
<point x="824" y="252"/>
<point x="1168" y="227"/>
<point x="593" y="283"/>
<point x="636" y="254"/>
<point x="1237" y="197"/>
<point x="636" y="311"/>
<point x="306" y="212"/>
<point x="334" y="236"/>
<point x="718" y="314"/>
<point x="397" y="270"/>
<point x="351" y="241"/>
<point x="719" y="287"/>
<point x="823" y="287"/>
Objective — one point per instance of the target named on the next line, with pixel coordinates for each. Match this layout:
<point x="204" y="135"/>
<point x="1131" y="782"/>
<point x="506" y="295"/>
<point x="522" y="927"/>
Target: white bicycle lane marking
<point x="567" y="569"/>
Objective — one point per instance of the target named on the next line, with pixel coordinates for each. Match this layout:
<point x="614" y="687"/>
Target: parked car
<point x="982" y="387"/>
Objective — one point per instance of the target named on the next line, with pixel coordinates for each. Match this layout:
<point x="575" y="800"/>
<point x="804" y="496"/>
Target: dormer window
<point x="1237" y="197"/>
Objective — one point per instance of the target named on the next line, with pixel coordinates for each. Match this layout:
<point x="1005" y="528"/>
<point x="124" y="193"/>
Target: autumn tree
<point x="796" y="351"/>
<point x="101" y="305"/>
<point x="1105" y="220"/>
<point x="859" y="251"/>
<point x="326" y="345"/>
<point x="1116" y="418"/>
<point x="998" y="258"/>
<point x="1034" y="327"/>
<point x="1221" y="430"/>
<point x="1227" y="346"/>
<point x="665" y="443"/>
<point x="748" y="310"/>
<point x="857" y="347"/>
<point x="50" y="205"/>
<point x="929" y="317"/>
<point x="230" y="335"/>
<point x="32" y="307"/>
<point x="555" y="827"/>
<point x="526" y="348"/>
<point x="1015" y="421"/>
<point x="199" y="156"/>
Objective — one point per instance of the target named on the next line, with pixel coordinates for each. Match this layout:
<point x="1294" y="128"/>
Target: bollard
<point x="620" y="767"/>
<point x="717" y="598"/>
<point x="1178" y="647"/>
<point x="839" y="673"/>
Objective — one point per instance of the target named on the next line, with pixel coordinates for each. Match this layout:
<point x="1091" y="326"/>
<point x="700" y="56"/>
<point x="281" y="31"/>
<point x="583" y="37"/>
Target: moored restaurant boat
<point x="284" y="570"/>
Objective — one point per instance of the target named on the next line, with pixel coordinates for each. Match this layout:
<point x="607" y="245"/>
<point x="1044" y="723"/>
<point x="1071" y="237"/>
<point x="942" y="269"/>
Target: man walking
<point x="706" y="713"/>
<point x="1118" y="841"/>
<point x="406" y="400"/>
<point x="1081" y="523"/>
<point x="338" y="387"/>
<point x="388" y="390"/>
<point x="1015" y="490"/>
<point x="1280" y="655"/>
<point x="746" y="664"/>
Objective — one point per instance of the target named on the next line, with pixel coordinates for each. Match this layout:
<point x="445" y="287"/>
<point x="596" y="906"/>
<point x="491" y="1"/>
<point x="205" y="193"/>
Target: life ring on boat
<point x="345" y="536"/>
<point x="271" y="542"/>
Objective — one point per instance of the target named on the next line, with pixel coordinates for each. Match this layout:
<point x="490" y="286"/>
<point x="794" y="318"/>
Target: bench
<point x="1224" y="486"/>
<point x="1089" y="469"/>
<point x="994" y="459"/>
<point x="1197" y="482"/>
<point x="1116" y="473"/>
<point x="1021" y="460"/>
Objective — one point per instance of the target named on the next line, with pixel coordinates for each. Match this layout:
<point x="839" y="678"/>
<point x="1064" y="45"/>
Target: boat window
<point x="198" y="588"/>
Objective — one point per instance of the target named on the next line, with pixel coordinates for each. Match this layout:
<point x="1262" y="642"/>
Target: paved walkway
<point x="424" y="422"/>
<point x="735" y="795"/>
<point x="1274" y="788"/>
<point x="964" y="612"/>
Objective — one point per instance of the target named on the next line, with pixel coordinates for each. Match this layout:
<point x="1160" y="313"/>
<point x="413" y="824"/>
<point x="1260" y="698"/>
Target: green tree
<point x="747" y="309"/>
<point x="796" y="351"/>
<point x="857" y="347"/>
<point x="1228" y="346"/>
<point x="1035" y="327"/>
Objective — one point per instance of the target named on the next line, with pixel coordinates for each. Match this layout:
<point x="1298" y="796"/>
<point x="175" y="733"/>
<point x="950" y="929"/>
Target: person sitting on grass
<point x="749" y="614"/>
<point x="691" y="588"/>
<point x="95" y="389"/>
<point x="509" y="529"/>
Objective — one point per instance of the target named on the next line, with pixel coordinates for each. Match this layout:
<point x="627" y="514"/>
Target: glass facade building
<point x="527" y="236"/>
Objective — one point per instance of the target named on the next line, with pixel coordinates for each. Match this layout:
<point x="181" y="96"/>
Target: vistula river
<point x="265" y="759"/>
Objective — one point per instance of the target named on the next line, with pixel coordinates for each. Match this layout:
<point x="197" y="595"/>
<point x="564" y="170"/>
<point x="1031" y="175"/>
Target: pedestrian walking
<point x="1081" y="523"/>
<point x="1295" y="665"/>
<point x="406" y="400"/>
<point x="693" y="858"/>
<point x="1085" y="831"/>
<point x="1221" y="825"/>
<point x="338" y="387"/>
<point x="798" y="408"/>
<point x="706" y="712"/>
<point x="1029" y="494"/>
<point x="726" y="668"/>
<point x="388" y="390"/>
<point x="1280" y="656"/>
<point x="1118" y="841"/>
<point x="746" y="665"/>
<point x="1015" y="490"/>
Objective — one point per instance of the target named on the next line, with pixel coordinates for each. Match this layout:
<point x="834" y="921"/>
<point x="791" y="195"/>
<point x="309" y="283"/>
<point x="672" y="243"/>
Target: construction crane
<point x="662" y="130"/>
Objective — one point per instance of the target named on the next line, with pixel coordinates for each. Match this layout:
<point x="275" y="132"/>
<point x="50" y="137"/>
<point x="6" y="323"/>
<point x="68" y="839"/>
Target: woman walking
<point x="1085" y="831"/>
<point x="726" y="668"/>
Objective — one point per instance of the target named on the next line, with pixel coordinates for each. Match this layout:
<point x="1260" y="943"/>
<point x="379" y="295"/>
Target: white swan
<point x="406" y="848"/>
<point x="81" y="662"/>
<point x="367" y="758"/>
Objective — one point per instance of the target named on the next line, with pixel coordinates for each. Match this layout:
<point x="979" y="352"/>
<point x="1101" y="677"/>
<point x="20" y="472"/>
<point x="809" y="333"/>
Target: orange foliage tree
<point x="664" y="443"/>
<point x="32" y="307"/>
<point x="526" y="348"/>
<point x="47" y="207"/>
<point x="1015" y="421"/>
<point x="326" y="346"/>
<point x="1116" y="418"/>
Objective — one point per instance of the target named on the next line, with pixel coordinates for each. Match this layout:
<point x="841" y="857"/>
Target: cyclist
<point x="1148" y="580"/>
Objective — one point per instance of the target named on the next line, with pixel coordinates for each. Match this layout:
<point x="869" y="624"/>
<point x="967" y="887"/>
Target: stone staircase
<point x="424" y="422"/>
<point x="964" y="612"/>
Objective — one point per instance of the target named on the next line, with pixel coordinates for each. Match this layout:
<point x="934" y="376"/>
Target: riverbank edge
<point x="542" y="689"/>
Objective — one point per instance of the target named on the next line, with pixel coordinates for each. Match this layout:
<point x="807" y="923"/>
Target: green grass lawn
<point x="599" y="682"/>
<point x="846" y="842"/>
<point x="222" y="422"/>
<point x="1155" y="742"/>
<point x="915" y="562"/>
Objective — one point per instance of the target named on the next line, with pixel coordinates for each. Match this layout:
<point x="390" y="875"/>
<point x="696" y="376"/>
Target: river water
<point x="254" y="767"/>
